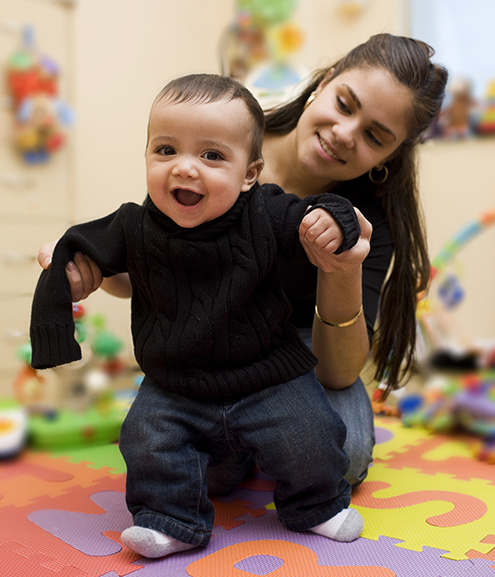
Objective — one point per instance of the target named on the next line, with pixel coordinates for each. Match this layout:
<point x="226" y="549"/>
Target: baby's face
<point x="197" y="158"/>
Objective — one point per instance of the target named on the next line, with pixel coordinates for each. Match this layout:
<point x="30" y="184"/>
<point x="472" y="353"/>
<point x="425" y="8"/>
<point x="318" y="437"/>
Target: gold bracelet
<point x="340" y="325"/>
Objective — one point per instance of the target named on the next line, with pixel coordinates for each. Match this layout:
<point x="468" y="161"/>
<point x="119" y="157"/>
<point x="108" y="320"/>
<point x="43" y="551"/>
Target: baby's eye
<point x="165" y="150"/>
<point x="212" y="155"/>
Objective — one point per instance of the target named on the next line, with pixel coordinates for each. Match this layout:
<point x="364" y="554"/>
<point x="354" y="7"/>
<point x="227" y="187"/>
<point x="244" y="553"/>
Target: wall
<point x="457" y="188"/>
<point x="333" y="29"/>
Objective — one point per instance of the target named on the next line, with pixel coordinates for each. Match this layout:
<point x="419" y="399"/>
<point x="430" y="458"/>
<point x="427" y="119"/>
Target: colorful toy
<point x="75" y="405"/>
<point x="465" y="235"/>
<point x="40" y="114"/>
<point x="486" y="121"/>
<point x="464" y="399"/>
<point x="13" y="427"/>
<point x="449" y="404"/>
<point x="64" y="429"/>
<point x="450" y="292"/>
<point x="107" y="347"/>
<point x="458" y="117"/>
<point x="258" y="48"/>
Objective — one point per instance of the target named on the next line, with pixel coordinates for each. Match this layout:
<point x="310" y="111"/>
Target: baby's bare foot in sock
<point x="346" y="526"/>
<point x="151" y="543"/>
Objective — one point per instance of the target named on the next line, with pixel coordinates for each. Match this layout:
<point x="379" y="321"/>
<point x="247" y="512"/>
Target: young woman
<point x="353" y="130"/>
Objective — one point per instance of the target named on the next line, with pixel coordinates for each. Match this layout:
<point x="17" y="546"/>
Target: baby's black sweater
<point x="209" y="316"/>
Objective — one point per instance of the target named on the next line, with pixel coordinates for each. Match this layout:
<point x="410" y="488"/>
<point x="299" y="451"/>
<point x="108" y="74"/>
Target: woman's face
<point x="355" y="123"/>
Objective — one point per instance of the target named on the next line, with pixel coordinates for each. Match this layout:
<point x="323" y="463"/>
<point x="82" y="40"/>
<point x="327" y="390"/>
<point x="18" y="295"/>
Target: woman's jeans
<point x="289" y="431"/>
<point x="353" y="406"/>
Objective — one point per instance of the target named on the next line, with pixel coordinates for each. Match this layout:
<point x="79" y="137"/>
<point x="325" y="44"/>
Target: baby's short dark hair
<point x="203" y="88"/>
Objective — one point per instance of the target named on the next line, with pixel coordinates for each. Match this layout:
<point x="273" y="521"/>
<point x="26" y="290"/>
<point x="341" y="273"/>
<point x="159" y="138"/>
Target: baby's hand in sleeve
<point x="320" y="229"/>
<point x="321" y="236"/>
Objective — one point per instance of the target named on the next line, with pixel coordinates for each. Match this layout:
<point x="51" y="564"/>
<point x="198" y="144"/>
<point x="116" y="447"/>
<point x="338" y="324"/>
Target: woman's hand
<point x="321" y="236"/>
<point x="84" y="275"/>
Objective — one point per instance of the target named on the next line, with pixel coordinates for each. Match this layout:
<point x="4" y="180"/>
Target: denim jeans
<point x="289" y="430"/>
<point x="353" y="406"/>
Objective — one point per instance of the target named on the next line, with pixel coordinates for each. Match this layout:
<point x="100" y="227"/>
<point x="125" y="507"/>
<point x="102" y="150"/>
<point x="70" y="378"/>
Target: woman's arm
<point x="85" y="277"/>
<point x="342" y="351"/>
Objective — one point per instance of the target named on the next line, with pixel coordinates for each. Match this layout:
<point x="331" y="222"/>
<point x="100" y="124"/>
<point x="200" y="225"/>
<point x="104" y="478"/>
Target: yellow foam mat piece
<point x="451" y="514"/>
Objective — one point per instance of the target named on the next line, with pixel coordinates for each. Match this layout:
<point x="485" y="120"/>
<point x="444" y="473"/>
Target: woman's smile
<point x="328" y="151"/>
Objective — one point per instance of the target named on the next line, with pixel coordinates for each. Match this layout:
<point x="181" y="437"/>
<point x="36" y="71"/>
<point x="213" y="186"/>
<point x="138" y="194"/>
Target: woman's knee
<point x="360" y="457"/>
<point x="354" y="407"/>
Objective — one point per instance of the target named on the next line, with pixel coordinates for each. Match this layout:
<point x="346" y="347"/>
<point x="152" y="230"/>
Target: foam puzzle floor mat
<point x="428" y="507"/>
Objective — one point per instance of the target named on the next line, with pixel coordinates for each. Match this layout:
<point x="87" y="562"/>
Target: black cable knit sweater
<point x="209" y="316"/>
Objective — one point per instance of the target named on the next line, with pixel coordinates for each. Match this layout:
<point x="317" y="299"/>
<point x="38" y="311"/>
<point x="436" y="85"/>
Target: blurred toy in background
<point x="450" y="404"/>
<point x="87" y="383"/>
<point x="486" y="120"/>
<point x="107" y="347"/>
<point x="28" y="385"/>
<point x="83" y="403"/>
<point x="351" y="8"/>
<point x="458" y="393"/>
<point x="458" y="117"/>
<point x="40" y="115"/>
<point x="259" y="49"/>
<point x="13" y="428"/>
<point x="443" y="344"/>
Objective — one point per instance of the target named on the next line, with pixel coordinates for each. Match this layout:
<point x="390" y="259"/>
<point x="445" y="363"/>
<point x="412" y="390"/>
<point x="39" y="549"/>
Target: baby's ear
<point x="253" y="172"/>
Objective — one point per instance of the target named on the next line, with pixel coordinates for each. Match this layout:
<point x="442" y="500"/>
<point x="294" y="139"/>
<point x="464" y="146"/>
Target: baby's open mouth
<point x="187" y="197"/>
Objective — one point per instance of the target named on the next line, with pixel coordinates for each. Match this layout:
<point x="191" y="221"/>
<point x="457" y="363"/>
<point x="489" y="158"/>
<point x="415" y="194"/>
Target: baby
<point x="224" y="369"/>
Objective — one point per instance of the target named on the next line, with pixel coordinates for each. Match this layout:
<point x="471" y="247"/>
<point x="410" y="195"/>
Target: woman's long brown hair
<point x="409" y="62"/>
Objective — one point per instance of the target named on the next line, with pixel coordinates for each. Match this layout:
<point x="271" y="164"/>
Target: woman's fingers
<point x="84" y="276"/>
<point x="366" y="226"/>
<point x="75" y="281"/>
<point x="45" y="254"/>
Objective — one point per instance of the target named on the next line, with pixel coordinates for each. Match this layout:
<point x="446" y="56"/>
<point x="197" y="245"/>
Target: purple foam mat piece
<point x="382" y="435"/>
<point x="83" y="531"/>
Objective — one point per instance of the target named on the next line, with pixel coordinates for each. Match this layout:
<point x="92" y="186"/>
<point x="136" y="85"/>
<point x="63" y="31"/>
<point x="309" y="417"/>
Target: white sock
<point x="151" y="543"/>
<point x="346" y="526"/>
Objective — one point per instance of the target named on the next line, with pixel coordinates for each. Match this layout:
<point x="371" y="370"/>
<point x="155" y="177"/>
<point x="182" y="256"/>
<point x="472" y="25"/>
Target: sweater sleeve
<point x="52" y="327"/>
<point x="288" y="210"/>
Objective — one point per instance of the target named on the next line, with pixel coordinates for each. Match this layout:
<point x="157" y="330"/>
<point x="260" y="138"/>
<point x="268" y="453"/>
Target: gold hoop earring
<point x="312" y="96"/>
<point x="382" y="169"/>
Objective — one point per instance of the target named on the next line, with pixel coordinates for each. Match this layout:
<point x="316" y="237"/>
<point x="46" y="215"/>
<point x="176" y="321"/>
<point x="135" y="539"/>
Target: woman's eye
<point x="212" y="155"/>
<point x="372" y="138"/>
<point x="342" y="105"/>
